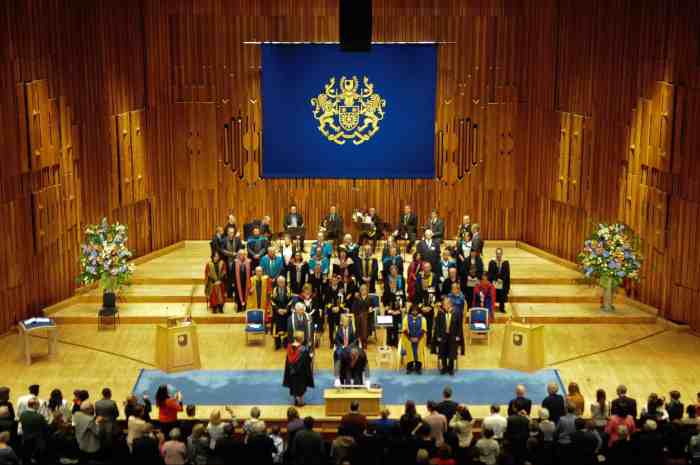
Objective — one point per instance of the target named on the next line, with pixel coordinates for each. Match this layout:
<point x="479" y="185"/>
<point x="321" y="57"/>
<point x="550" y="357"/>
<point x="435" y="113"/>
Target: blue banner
<point x="334" y="114"/>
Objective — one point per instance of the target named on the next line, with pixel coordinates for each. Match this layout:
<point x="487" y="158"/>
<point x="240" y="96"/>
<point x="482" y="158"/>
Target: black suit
<point x="217" y="244"/>
<point x="625" y="403"/>
<point x="307" y="448"/>
<point x="518" y="404"/>
<point x="448" y="408"/>
<point x="556" y="406"/>
<point x="517" y="433"/>
<point x="437" y="226"/>
<point x="448" y="339"/>
<point x="301" y="229"/>
<point x="408" y="225"/>
<point x="430" y="253"/>
<point x="502" y="273"/>
<point x="334" y="226"/>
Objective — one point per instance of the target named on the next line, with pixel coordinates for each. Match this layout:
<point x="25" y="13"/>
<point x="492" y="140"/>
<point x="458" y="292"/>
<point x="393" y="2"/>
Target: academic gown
<point x="296" y="323"/>
<point x="298" y="372"/>
<point x="216" y="293"/>
<point x="352" y="370"/>
<point x="259" y="295"/>
<point x="280" y="300"/>
<point x="414" y="327"/>
<point x="426" y="296"/>
<point x="272" y="266"/>
<point x="297" y="276"/>
<point x="430" y="252"/>
<point x="502" y="273"/>
<point x="241" y="281"/>
<point x="361" y="308"/>
<point x="369" y="268"/>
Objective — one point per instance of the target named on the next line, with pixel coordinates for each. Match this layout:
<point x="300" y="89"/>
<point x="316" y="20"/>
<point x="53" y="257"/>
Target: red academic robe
<point x="242" y="282"/>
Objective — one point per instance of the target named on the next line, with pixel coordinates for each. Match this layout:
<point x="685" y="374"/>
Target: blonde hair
<point x="215" y="417"/>
<point x="307" y="287"/>
<point x="197" y="431"/>
<point x="299" y="336"/>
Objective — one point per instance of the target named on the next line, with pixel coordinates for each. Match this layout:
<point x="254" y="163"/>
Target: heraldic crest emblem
<point x="348" y="112"/>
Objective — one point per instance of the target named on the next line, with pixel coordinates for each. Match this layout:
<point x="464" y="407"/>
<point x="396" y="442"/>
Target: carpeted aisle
<point x="264" y="387"/>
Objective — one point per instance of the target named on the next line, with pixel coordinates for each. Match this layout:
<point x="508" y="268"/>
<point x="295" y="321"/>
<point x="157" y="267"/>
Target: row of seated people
<point x="332" y="225"/>
<point x="56" y="431"/>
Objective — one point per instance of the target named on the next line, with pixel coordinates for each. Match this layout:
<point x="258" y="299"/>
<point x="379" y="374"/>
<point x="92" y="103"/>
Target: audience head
<point x="215" y="417"/>
<point x="292" y="414"/>
<point x="649" y="425"/>
<point x="385" y="413"/>
<point x="580" y="424"/>
<point x="4" y="394"/>
<point x="600" y="396"/>
<point x="162" y="394"/>
<point x="197" y="431"/>
<point x="55" y="400"/>
<point x="463" y="412"/>
<point x="431" y="406"/>
<point x="242" y="256"/>
<point x="428" y="234"/>
<point x="347" y="238"/>
<point x="570" y="408"/>
<point x="293" y="208"/>
<point x="488" y="433"/>
<point x="544" y="414"/>
<point x="447" y="392"/>
<point x="691" y="411"/>
<point x="520" y="390"/>
<point x="281" y="281"/>
<point x="495" y="409"/>
<point x="256" y="231"/>
<point x="87" y="408"/>
<point x="34" y="389"/>
<point x="499" y="254"/>
<point x="574" y="389"/>
<point x="456" y="288"/>
<point x="422" y="456"/>
<point x="410" y="408"/>
<point x="215" y="257"/>
<point x="622" y="390"/>
<point x="407" y="209"/>
<point x="354" y="406"/>
<point x="299" y="308"/>
<point x="107" y="393"/>
<point x="255" y="413"/>
<point x="552" y="388"/>
<point x="622" y="432"/>
<point x="175" y="434"/>
<point x="675" y="395"/>
<point x="309" y="423"/>
<point x="4" y="437"/>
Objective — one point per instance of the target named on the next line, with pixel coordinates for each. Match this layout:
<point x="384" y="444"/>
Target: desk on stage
<point x="338" y="400"/>
<point x="31" y="325"/>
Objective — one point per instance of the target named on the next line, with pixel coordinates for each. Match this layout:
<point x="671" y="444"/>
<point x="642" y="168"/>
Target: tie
<point x="366" y="267"/>
<point x="345" y="337"/>
<point x="448" y="316"/>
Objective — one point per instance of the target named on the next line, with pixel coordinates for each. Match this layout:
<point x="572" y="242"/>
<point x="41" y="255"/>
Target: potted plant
<point x="104" y="259"/>
<point x="609" y="256"/>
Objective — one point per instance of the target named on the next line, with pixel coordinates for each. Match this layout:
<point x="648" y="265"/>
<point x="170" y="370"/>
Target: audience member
<point x="575" y="397"/>
<point x="294" y="424"/>
<point x="410" y="419"/>
<point x="174" y="451"/>
<point x="437" y="423"/>
<point x="7" y="454"/>
<point x="624" y="403"/>
<point x="566" y="426"/>
<point x="228" y="448"/>
<point x="354" y="422"/>
<point x="654" y="409"/>
<point x="23" y="401"/>
<point x="260" y="448"/>
<point x="342" y="446"/>
<point x="135" y="425"/>
<point x="694" y="447"/>
<point x="307" y="448"/>
<point x="620" y="417"/>
<point x="35" y="431"/>
<point x="386" y="427"/>
<point x="584" y="443"/>
<point x="250" y="423"/>
<point x="278" y="443"/>
<point x="600" y="409"/>
<point x="8" y="424"/>
<point x="198" y="449"/>
<point x="146" y="449"/>
<point x="648" y="444"/>
<point x="517" y="433"/>
<point x="674" y="407"/>
<point x="520" y="402"/>
<point x="108" y="412"/>
<point x="444" y="456"/>
<point x="461" y="425"/>
<point x="168" y="408"/>
<point x="57" y="405"/>
<point x="87" y="430"/>
<point x="447" y="407"/>
<point x="554" y="403"/>
<point x="620" y="452"/>
<point x="495" y="422"/>
<point x="5" y="400"/>
<point x="487" y="447"/>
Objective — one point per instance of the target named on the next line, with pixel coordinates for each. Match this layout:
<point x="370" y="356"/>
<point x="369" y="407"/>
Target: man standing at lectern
<point x="334" y="225"/>
<point x="295" y="221"/>
<point x="408" y="227"/>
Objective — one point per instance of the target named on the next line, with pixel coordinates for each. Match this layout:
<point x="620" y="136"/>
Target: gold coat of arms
<point x="348" y="112"/>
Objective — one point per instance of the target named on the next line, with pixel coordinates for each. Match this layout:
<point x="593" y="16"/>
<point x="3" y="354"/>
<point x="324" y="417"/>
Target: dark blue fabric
<point x="403" y="75"/>
<point x="264" y="387"/>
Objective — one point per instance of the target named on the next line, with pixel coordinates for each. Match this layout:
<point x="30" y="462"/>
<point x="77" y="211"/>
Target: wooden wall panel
<point x="177" y="78"/>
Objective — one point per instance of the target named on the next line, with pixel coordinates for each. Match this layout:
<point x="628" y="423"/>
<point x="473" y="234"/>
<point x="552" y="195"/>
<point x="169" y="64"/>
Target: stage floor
<point x="544" y="289"/>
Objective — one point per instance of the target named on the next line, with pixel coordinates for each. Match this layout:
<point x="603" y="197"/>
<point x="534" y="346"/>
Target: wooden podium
<point x="177" y="346"/>
<point x="338" y="400"/>
<point x="523" y="347"/>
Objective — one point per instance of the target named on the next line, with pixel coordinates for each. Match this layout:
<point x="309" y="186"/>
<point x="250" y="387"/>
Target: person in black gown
<point x="298" y="372"/>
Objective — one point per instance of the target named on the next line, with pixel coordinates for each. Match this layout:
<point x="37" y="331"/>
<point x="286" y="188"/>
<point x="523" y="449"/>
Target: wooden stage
<point x="630" y="346"/>
<point x="544" y="290"/>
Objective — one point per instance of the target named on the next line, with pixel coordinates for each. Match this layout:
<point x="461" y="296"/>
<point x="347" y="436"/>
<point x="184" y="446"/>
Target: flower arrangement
<point x="610" y="255"/>
<point x="105" y="257"/>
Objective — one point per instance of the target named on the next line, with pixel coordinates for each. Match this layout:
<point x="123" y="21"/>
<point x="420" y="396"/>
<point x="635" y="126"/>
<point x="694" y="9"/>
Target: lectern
<point x="177" y="346"/>
<point x="523" y="347"/>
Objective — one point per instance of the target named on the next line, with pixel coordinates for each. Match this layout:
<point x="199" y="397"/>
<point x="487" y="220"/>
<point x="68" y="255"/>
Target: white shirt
<point x="287" y="253"/>
<point x="496" y="423"/>
<point x="23" y="404"/>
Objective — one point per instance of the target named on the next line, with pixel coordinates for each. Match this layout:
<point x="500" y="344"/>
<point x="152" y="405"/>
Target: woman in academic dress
<point x="413" y="270"/>
<point x="360" y="309"/>
<point x="298" y="373"/>
<point x="214" y="279"/>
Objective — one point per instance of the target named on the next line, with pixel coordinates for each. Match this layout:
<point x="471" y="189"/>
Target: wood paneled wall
<point x="149" y="112"/>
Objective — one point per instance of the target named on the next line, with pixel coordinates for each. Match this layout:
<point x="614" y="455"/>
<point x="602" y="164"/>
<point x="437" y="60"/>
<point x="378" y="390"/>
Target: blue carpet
<point x="264" y="387"/>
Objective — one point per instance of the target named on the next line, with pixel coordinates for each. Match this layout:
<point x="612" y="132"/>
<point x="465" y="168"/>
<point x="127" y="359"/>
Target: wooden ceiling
<point x="149" y="112"/>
